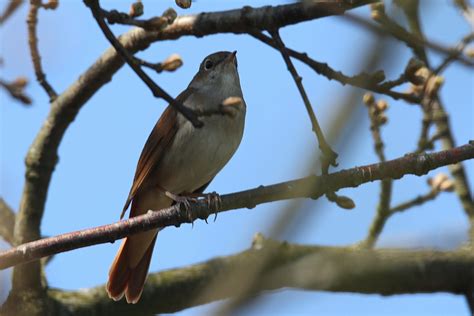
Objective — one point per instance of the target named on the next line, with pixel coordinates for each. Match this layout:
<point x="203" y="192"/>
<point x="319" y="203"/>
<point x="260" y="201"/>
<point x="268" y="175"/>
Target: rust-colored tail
<point x="124" y="279"/>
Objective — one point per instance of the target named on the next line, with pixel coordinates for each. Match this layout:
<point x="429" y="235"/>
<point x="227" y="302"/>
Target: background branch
<point x="383" y="271"/>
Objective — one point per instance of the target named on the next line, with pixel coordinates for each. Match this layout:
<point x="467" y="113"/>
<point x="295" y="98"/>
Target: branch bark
<point x="309" y="187"/>
<point x="336" y="269"/>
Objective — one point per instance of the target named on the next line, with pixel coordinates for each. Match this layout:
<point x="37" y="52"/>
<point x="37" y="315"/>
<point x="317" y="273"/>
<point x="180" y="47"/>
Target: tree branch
<point x="157" y="91"/>
<point x="32" y="22"/>
<point x="373" y="82"/>
<point x="329" y="156"/>
<point x="10" y="8"/>
<point x="344" y="269"/>
<point x="309" y="187"/>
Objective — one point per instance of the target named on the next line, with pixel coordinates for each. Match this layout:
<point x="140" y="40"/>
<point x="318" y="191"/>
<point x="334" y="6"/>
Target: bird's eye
<point x="208" y="64"/>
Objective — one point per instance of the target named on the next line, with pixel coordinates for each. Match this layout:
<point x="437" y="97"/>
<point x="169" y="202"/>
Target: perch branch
<point x="309" y="187"/>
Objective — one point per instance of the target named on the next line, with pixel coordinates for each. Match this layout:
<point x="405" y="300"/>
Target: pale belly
<point x="198" y="154"/>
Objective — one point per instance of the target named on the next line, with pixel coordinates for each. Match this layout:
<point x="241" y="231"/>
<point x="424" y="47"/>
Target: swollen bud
<point x="136" y="9"/>
<point x="20" y="82"/>
<point x="377" y="10"/>
<point x="183" y="4"/>
<point x="172" y="63"/>
<point x="344" y="202"/>
<point x="368" y="99"/>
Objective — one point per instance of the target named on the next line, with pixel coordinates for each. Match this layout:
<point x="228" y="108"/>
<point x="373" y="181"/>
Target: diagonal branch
<point x="329" y="156"/>
<point x="309" y="187"/>
<point x="335" y="269"/>
<point x="155" y="89"/>
<point x="372" y="82"/>
<point x="11" y="7"/>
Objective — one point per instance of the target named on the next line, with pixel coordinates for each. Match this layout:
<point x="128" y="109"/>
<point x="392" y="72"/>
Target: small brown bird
<point x="179" y="159"/>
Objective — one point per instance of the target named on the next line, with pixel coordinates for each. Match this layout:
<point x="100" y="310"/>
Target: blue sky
<point x="100" y="149"/>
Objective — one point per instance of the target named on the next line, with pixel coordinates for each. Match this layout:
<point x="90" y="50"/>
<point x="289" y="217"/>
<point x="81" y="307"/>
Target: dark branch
<point x="329" y="156"/>
<point x="372" y="82"/>
<point x="32" y="22"/>
<point x="11" y="7"/>
<point x="383" y="271"/>
<point x="157" y="91"/>
<point x="309" y="187"/>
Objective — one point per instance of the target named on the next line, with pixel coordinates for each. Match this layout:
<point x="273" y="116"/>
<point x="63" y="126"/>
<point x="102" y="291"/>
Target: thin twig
<point x="377" y="117"/>
<point x="419" y="200"/>
<point x="11" y="7"/>
<point x="329" y="156"/>
<point x="312" y="186"/>
<point x="406" y="37"/>
<point x="372" y="82"/>
<point x="157" y="91"/>
<point x="32" y="22"/>
<point x="455" y="54"/>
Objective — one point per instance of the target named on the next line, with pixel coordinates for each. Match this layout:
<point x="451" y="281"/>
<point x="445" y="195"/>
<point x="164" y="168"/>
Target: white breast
<point x="198" y="154"/>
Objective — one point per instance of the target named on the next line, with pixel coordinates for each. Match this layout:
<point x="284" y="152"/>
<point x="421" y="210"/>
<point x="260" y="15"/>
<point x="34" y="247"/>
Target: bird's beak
<point x="232" y="56"/>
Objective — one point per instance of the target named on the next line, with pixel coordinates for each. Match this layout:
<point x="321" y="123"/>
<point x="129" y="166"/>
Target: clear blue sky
<point x="100" y="149"/>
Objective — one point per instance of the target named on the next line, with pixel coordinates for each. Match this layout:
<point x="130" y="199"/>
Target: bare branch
<point x="11" y="7"/>
<point x="377" y="119"/>
<point x="309" y="187"/>
<point x="334" y="269"/>
<point x="32" y="22"/>
<point x="155" y="89"/>
<point x="372" y="82"/>
<point x="329" y="156"/>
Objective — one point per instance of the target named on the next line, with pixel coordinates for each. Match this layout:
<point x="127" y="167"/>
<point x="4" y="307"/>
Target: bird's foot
<point x="214" y="202"/>
<point x="184" y="200"/>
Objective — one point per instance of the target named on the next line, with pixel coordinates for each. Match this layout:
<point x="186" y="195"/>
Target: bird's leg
<point x="185" y="200"/>
<point x="213" y="200"/>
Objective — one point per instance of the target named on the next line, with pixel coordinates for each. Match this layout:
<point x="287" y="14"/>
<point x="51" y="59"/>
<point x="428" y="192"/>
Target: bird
<point x="178" y="160"/>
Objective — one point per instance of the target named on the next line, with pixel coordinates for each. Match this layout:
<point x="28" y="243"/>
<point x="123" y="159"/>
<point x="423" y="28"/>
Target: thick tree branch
<point x="309" y="187"/>
<point x="7" y="220"/>
<point x="384" y="271"/>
